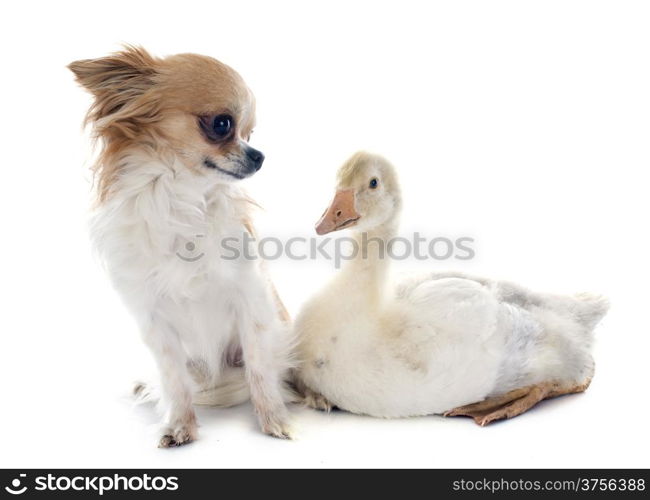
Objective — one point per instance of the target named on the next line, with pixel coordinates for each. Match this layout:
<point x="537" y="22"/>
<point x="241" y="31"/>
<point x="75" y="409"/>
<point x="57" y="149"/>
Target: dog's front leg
<point x="264" y="374"/>
<point x="180" y="420"/>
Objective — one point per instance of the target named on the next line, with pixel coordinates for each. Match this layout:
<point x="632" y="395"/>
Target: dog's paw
<point x="178" y="435"/>
<point x="277" y="426"/>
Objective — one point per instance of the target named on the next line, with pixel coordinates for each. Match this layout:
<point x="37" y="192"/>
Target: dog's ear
<point x="116" y="80"/>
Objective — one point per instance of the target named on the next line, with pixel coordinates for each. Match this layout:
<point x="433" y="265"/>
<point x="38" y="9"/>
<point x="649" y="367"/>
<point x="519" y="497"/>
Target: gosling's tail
<point x="590" y="309"/>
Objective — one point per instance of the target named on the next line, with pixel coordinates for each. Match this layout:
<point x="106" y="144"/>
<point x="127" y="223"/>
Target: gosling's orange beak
<point x="340" y="214"/>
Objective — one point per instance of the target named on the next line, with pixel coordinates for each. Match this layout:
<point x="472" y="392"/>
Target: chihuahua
<point x="174" y="136"/>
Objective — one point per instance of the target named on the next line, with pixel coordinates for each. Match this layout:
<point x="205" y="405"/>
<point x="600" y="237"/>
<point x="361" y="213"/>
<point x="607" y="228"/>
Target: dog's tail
<point x="231" y="391"/>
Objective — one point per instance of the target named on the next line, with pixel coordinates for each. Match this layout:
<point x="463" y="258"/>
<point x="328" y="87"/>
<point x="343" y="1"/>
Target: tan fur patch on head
<point x="196" y="84"/>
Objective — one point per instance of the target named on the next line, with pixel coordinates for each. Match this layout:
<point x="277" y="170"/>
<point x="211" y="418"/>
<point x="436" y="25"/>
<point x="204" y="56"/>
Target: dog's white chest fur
<point x="173" y="248"/>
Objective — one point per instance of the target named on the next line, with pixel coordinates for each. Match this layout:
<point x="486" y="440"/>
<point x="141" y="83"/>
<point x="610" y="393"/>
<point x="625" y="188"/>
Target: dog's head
<point x="193" y="106"/>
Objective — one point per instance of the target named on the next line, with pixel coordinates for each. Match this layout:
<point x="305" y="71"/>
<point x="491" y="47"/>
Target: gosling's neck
<point x="368" y="269"/>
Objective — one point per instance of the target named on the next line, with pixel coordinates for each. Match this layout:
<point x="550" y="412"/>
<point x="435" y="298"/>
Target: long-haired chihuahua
<point x="174" y="138"/>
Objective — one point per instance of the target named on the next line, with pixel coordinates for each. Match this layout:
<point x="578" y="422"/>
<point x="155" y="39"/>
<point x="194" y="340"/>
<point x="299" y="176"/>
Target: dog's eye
<point x="373" y="183"/>
<point x="221" y="125"/>
<point x="216" y="128"/>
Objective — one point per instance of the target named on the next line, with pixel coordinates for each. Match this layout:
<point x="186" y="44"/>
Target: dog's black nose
<point x="256" y="157"/>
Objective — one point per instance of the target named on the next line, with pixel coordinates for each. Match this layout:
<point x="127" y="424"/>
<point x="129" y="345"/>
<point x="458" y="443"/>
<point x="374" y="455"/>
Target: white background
<point x="522" y="124"/>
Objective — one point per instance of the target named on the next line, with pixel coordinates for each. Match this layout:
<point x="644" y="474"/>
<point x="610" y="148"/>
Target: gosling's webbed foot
<point x="513" y="403"/>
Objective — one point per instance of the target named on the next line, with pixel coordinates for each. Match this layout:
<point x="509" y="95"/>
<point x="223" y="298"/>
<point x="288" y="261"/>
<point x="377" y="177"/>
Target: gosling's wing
<point x="450" y="305"/>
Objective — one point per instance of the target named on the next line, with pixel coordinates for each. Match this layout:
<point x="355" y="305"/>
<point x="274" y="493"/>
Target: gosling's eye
<point x="221" y="125"/>
<point x="373" y="183"/>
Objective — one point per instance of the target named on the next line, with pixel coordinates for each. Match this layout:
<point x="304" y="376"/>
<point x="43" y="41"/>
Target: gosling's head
<point x="367" y="195"/>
